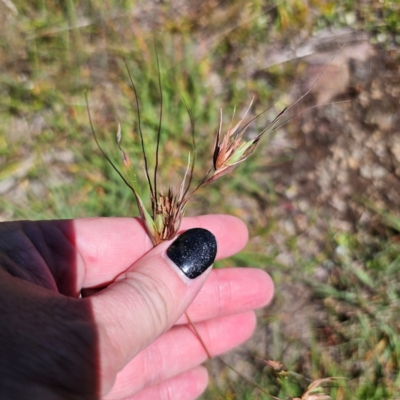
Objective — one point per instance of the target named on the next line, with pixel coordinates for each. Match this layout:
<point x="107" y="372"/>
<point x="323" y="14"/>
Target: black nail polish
<point x="193" y="251"/>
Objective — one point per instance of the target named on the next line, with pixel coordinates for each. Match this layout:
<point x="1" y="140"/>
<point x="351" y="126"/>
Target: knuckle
<point x="153" y="297"/>
<point x="224" y="294"/>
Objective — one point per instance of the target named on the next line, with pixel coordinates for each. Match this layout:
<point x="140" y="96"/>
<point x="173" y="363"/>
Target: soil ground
<point x="338" y="160"/>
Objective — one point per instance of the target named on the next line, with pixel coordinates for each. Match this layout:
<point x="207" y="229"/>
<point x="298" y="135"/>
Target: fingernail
<point x="193" y="252"/>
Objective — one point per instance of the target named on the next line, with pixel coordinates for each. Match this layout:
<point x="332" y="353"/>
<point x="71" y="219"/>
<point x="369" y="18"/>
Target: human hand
<point x="129" y="339"/>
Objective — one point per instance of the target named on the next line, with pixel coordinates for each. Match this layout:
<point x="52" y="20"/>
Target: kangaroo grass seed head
<point x="232" y="150"/>
<point x="167" y="210"/>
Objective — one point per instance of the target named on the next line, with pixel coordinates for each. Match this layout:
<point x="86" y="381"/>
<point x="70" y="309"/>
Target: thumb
<point x="149" y="298"/>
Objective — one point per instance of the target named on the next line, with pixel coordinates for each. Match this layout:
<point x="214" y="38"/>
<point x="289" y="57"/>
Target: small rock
<point x="373" y="171"/>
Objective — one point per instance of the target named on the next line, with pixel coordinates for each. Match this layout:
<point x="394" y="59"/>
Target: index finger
<point x="108" y="246"/>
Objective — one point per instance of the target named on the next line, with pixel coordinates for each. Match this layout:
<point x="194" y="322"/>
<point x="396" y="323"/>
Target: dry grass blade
<point x="144" y="215"/>
<point x="159" y="126"/>
<point x="101" y="149"/>
<point x="139" y="126"/>
<point x="313" y="391"/>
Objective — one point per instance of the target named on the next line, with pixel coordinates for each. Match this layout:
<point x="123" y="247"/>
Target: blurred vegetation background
<point x="320" y="196"/>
